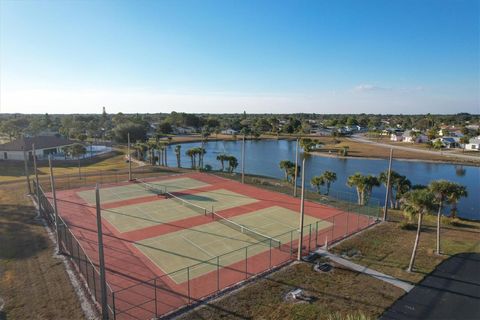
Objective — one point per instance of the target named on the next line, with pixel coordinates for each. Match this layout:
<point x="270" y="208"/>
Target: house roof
<point x="41" y="142"/>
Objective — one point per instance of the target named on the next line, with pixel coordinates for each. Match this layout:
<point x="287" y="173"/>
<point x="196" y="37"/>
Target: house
<point x="396" y="136"/>
<point x="473" y="144"/>
<point x="44" y="145"/>
<point x="230" y="131"/>
<point x="449" y="142"/>
<point x="414" y="136"/>
<point x="183" y="130"/>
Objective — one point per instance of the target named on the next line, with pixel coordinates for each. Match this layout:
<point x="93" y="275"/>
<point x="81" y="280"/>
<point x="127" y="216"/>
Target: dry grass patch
<point x="336" y="294"/>
<point x="33" y="283"/>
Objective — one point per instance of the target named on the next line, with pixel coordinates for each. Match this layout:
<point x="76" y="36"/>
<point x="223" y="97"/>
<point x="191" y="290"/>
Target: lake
<point x="262" y="157"/>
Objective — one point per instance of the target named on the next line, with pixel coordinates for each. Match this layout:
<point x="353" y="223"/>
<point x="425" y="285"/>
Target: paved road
<point x="451" y="291"/>
<point x="430" y="152"/>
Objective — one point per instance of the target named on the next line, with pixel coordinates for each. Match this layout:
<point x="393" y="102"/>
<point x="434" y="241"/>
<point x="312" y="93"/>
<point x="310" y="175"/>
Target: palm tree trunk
<point x="328" y="188"/>
<point x="439" y="219"/>
<point x="415" y="246"/>
<point x="166" y="165"/>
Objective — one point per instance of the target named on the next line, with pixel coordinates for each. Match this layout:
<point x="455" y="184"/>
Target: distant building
<point x="473" y="144"/>
<point x="183" y="130"/>
<point x="449" y="142"/>
<point x="229" y="131"/>
<point x="44" y="145"/>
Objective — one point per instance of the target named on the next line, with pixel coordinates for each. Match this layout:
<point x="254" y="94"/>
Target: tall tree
<point x="178" y="149"/>
<point x="317" y="181"/>
<point x="222" y="158"/>
<point x="454" y="196"/>
<point x="286" y="166"/>
<point x="417" y="202"/>
<point x="329" y="177"/>
<point x="76" y="151"/>
<point x="357" y="180"/>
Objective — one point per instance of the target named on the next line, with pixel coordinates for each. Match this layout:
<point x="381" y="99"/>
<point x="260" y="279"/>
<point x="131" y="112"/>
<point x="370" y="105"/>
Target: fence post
<point x="37" y="183"/>
<point x="218" y="273"/>
<point x="188" y="284"/>
<point x="270" y="262"/>
<point x="103" y="284"/>
<point x="27" y="175"/>
<point x="55" y="208"/>
<point x="316" y="234"/>
<point x="291" y="243"/>
<point x="246" y="262"/>
<point x="333" y="228"/>
<point x="348" y="216"/>
<point x="113" y="306"/>
<point x="309" y="237"/>
<point x="155" y="295"/>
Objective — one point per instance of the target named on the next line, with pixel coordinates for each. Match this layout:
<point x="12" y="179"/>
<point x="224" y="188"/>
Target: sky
<point x="399" y="56"/>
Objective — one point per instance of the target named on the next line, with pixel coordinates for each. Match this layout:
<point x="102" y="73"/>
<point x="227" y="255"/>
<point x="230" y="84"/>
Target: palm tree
<point x="417" y="202"/>
<point x="291" y="173"/>
<point x="445" y="191"/>
<point x="329" y="177"/>
<point x="370" y="182"/>
<point x="357" y="180"/>
<point x="401" y="185"/>
<point x="456" y="193"/>
<point x="344" y="151"/>
<point x="440" y="189"/>
<point x="232" y="163"/>
<point x="286" y="166"/>
<point x="222" y="158"/>
<point x="192" y="154"/>
<point x="383" y="178"/>
<point x="317" y="181"/>
<point x="178" y="149"/>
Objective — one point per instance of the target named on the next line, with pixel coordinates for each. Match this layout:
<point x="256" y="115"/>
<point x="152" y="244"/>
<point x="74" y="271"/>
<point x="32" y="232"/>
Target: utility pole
<point x="300" y="239"/>
<point x="27" y="175"/>
<point x="387" y="193"/>
<point x="243" y="159"/>
<point x="129" y="159"/>
<point x="55" y="208"/>
<point x="296" y="170"/>
<point x="101" y="258"/>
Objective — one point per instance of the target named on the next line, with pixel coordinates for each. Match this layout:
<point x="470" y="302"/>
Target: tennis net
<point x="156" y="189"/>
<point x="269" y="241"/>
<point x="186" y="203"/>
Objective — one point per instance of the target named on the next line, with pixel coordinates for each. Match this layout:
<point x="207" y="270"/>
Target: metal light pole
<point x="129" y="159"/>
<point x="300" y="239"/>
<point x="296" y="170"/>
<point x="243" y="160"/>
<point x="55" y="208"/>
<point x="36" y="179"/>
<point x="101" y="258"/>
<point x="27" y="175"/>
<point x="387" y="193"/>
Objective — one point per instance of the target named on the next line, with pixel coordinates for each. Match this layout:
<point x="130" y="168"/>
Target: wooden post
<point x="101" y="258"/>
<point x="296" y="170"/>
<point x="36" y="179"/>
<point x="55" y="208"/>
<point x="27" y="175"/>
<point x="129" y="159"/>
<point x="387" y="193"/>
<point x="300" y="239"/>
<point x="243" y="160"/>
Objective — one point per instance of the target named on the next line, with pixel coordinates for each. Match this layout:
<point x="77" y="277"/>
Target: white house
<point x="409" y="136"/>
<point x="473" y="144"/>
<point x="396" y="136"/>
<point x="44" y="145"/>
<point x="230" y="131"/>
<point x="183" y="130"/>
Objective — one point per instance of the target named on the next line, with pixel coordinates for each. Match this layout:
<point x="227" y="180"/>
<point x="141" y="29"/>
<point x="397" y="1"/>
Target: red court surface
<point x="141" y="290"/>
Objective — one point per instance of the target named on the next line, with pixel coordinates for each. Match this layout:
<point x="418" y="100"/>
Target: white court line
<point x="197" y="246"/>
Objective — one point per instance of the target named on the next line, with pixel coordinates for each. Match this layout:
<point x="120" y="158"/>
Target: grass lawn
<point x="15" y="171"/>
<point x="387" y="248"/>
<point x="33" y="283"/>
<point x="337" y="294"/>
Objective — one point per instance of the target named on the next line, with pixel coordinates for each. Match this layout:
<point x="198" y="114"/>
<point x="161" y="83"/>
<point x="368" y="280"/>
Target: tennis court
<point x="192" y="247"/>
<point x="174" y="239"/>
<point x="137" y="190"/>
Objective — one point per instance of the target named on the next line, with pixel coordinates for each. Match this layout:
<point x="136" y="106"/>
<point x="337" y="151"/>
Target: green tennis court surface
<point x="142" y="215"/>
<point x="135" y="190"/>
<point x="200" y="245"/>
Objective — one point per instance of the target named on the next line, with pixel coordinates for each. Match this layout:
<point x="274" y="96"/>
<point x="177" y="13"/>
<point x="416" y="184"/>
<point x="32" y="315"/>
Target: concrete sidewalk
<point x="356" y="267"/>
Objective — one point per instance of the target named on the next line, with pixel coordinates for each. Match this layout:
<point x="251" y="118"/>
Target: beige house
<point x="44" y="145"/>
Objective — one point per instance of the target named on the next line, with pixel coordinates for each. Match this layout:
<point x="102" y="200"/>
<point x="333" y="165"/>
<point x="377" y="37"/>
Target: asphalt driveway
<point x="451" y="291"/>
